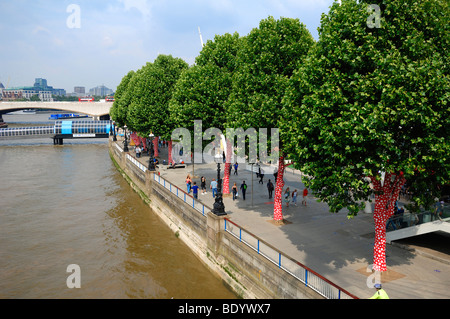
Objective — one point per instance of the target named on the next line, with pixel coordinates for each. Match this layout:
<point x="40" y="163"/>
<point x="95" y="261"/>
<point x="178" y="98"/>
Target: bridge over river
<point x="97" y="110"/>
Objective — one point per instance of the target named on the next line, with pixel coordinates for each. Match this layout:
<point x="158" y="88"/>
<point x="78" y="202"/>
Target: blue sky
<point x="106" y="39"/>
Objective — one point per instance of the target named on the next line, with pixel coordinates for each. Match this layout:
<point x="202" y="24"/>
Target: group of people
<point x="192" y="186"/>
<point x="235" y="192"/>
<point x="287" y="196"/>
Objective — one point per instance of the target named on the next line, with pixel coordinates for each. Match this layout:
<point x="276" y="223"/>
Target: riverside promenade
<point x="335" y="247"/>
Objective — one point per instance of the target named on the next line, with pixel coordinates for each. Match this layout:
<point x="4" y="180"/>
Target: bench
<point x="176" y="166"/>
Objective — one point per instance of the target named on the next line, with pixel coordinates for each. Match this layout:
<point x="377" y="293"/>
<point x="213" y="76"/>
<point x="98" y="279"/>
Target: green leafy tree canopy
<point x="372" y="99"/>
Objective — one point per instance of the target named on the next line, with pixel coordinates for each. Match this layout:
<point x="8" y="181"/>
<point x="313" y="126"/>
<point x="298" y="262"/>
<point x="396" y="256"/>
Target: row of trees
<point x="362" y="111"/>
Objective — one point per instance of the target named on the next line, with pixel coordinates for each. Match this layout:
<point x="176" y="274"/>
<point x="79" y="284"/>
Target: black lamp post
<point x="125" y="142"/>
<point x="218" y="207"/>
<point x="151" y="161"/>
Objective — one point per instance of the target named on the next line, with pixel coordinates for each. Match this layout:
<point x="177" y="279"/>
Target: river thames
<point x="65" y="205"/>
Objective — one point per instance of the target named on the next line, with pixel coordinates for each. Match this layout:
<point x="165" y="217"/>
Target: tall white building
<point x="100" y="90"/>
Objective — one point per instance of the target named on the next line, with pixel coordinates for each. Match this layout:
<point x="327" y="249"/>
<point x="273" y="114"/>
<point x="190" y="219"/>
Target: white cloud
<point x="107" y="41"/>
<point x="142" y="6"/>
<point x="40" y="29"/>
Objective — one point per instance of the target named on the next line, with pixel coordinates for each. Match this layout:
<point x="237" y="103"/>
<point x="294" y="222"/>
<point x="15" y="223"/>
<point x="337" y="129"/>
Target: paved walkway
<point x="335" y="247"/>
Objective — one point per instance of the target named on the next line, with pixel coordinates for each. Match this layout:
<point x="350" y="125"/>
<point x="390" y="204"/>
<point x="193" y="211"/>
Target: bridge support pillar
<point x="58" y="141"/>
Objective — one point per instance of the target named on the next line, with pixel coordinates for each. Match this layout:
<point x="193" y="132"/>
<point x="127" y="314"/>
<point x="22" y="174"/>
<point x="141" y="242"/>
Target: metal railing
<point x="136" y="163"/>
<point x="305" y="274"/>
<point x="60" y="127"/>
<point x="26" y="131"/>
<point x="407" y="219"/>
<point x="182" y="195"/>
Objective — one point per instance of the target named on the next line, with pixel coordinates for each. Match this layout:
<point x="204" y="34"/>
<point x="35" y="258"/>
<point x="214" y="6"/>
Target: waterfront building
<point x="100" y="90"/>
<point x="40" y="89"/>
<point x="79" y="90"/>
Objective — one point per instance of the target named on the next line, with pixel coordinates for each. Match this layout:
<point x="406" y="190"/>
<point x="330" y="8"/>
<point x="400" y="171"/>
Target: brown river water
<point x="65" y="205"/>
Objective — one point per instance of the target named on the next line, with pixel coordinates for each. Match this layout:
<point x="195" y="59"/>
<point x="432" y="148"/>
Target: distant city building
<point x="42" y="84"/>
<point x="59" y="92"/>
<point x="79" y="89"/>
<point x="39" y="89"/>
<point x="100" y="90"/>
<point x="25" y="92"/>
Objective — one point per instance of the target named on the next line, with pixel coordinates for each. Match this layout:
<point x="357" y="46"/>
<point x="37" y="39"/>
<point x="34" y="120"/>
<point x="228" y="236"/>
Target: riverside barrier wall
<point x="250" y="267"/>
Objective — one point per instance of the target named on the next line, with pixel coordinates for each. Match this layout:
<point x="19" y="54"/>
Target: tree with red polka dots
<point x="368" y="110"/>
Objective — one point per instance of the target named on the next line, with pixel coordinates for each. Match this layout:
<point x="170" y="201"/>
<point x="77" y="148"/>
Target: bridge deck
<point x="95" y="109"/>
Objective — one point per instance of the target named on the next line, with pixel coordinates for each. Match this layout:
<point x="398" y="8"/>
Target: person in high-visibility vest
<point x="380" y="294"/>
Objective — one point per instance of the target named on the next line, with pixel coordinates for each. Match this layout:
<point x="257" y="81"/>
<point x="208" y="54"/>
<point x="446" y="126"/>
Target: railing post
<point x="306" y="277"/>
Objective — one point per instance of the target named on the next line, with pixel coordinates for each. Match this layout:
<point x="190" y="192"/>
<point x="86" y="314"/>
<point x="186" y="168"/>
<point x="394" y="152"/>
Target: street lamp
<point x="151" y="161"/>
<point x="252" y="181"/>
<point x="218" y="207"/>
<point x="125" y="142"/>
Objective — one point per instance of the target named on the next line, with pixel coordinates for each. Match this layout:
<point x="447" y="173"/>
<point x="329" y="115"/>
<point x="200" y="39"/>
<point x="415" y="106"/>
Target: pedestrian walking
<point x="294" y="197"/>
<point x="213" y="186"/>
<point x="235" y="191"/>
<point x="270" y="188"/>
<point x="195" y="190"/>
<point x="438" y="209"/>
<point x="235" y="168"/>
<point x="287" y="192"/>
<point x="261" y="176"/>
<point x="188" y="183"/>
<point x="203" y="184"/>
<point x="380" y="294"/>
<point x="243" y="189"/>
<point x="305" y="194"/>
<point x="138" y="151"/>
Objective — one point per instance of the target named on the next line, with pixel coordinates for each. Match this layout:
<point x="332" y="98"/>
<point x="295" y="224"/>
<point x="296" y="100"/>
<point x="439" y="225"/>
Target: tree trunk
<point x="155" y="146"/>
<point x="170" y="152"/>
<point x="385" y="197"/>
<point x="226" y="175"/>
<point x="278" y="204"/>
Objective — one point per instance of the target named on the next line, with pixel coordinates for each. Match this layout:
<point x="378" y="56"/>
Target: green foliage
<point x="267" y="58"/>
<point x="203" y="89"/>
<point x="372" y="99"/>
<point x="119" y="108"/>
<point x="150" y="92"/>
<point x="64" y="98"/>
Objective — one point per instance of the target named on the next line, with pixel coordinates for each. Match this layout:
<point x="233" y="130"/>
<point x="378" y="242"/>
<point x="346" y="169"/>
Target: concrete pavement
<point x="335" y="247"/>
